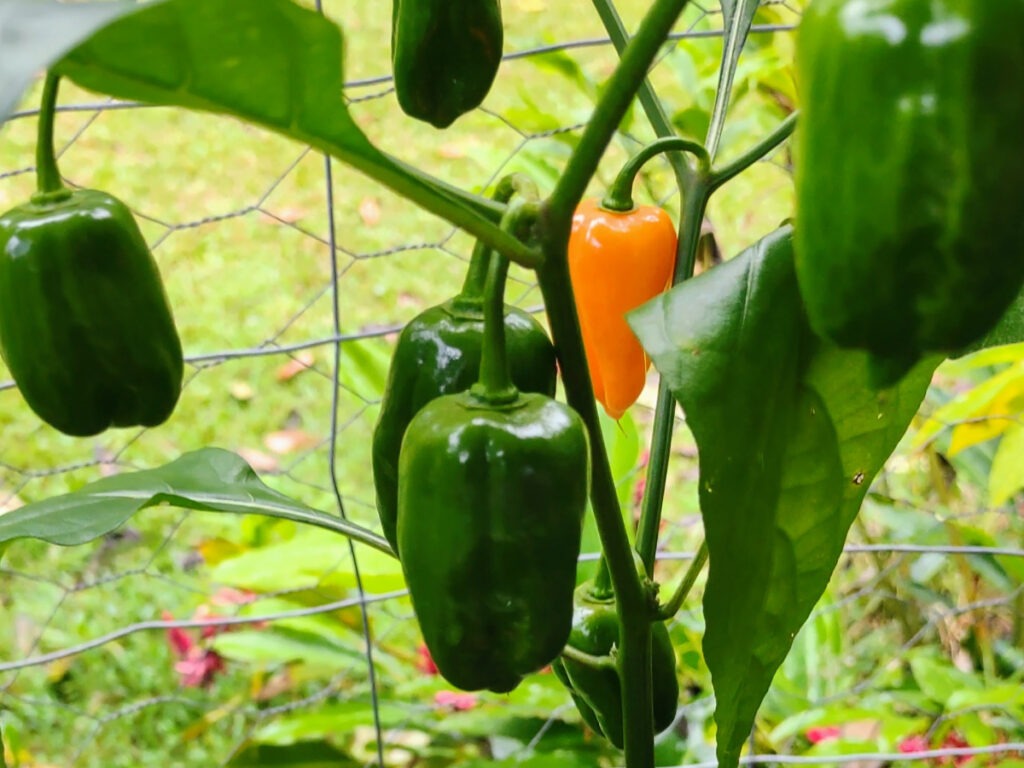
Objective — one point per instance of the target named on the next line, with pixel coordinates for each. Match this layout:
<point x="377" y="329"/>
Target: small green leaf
<point x="35" y="33"/>
<point x="329" y="722"/>
<point x="316" y="561"/>
<point x="938" y="680"/>
<point x="208" y="480"/>
<point x="789" y="436"/>
<point x="285" y="645"/>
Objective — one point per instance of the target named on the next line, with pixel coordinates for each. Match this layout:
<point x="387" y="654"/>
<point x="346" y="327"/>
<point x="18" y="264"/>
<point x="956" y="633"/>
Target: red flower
<point x="425" y="664"/>
<point x="822" y="733"/>
<point x="914" y="744"/>
<point x="454" y="700"/>
<point x="180" y="642"/>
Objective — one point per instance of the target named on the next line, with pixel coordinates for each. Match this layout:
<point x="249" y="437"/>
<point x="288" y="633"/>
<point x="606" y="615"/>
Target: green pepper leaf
<point x="273" y="63"/>
<point x="1009" y="329"/>
<point x="789" y="437"/>
<point x="208" y="480"/>
<point x="37" y="32"/>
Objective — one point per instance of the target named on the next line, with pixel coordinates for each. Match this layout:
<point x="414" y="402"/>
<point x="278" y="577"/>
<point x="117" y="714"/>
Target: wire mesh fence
<point x="190" y="639"/>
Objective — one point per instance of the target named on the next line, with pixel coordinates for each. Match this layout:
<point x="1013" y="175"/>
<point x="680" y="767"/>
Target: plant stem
<point x="695" y="201"/>
<point x="722" y="175"/>
<point x="671" y="608"/>
<point x="471" y="213"/>
<point x="495" y="384"/>
<point x="473" y="287"/>
<point x="619" y="92"/>
<point x="649" y="100"/>
<point x="48" y="178"/>
<point x="634" y="657"/>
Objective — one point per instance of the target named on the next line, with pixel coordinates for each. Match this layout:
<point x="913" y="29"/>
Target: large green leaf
<point x="209" y="480"/>
<point x="34" y="33"/>
<point x="789" y="437"/>
<point x="273" y="63"/>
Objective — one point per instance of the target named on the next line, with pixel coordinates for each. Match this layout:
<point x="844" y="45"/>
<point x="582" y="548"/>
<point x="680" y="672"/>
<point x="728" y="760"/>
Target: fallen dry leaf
<point x="288" y="441"/>
<point x="241" y="391"/>
<point x="369" y="211"/>
<point x="260" y="461"/>
<point x="298" y="363"/>
<point x="451" y="151"/>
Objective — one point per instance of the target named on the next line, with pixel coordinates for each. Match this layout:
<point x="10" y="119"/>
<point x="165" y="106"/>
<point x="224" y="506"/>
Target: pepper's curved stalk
<point x="472" y="292"/>
<point x="48" y="181"/>
<point x="495" y="386"/>
<point x="620" y="194"/>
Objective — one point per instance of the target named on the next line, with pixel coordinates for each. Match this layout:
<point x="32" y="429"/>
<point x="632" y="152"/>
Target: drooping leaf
<point x="789" y="437"/>
<point x="738" y="15"/>
<point x="208" y="480"/>
<point x="34" y="33"/>
<point x="273" y="63"/>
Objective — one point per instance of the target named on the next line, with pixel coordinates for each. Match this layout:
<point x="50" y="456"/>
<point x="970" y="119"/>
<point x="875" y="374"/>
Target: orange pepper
<point x="617" y="261"/>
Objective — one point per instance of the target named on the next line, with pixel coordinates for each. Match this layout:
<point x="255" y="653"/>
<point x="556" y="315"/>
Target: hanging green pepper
<point x="492" y="489"/>
<point x="85" y="326"/>
<point x="596" y="690"/>
<point x="910" y="215"/>
<point x="445" y="55"/>
<point x="438" y="353"/>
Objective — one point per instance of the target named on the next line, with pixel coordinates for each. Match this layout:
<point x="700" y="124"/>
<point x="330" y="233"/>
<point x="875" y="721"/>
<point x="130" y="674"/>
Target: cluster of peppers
<point x="482" y="477"/>
<point x="85" y="326"/>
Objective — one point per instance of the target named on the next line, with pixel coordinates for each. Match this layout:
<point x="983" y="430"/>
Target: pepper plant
<point x="791" y="427"/>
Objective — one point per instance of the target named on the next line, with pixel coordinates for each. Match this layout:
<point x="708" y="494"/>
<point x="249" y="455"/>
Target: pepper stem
<point x="602" y="588"/>
<point x="48" y="181"/>
<point x="495" y="384"/>
<point x="620" y="195"/>
<point x="472" y="292"/>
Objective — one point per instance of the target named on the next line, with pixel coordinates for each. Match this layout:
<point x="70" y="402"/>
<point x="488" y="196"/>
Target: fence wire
<point x="149" y="647"/>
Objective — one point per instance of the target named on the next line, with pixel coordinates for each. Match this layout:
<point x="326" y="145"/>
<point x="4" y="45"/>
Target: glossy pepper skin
<point x="617" y="261"/>
<point x="438" y="353"/>
<point x="445" y="55"/>
<point x="596" y="692"/>
<point x="85" y="326"/>
<point x="490" y="513"/>
<point x="910" y="165"/>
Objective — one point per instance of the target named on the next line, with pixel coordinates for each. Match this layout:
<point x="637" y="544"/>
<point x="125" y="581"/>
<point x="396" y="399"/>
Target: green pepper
<point x="85" y="326"/>
<point x="492" y="489"/>
<point x="596" y="690"/>
<point x="445" y="55"/>
<point x="910" y="215"/>
<point x="438" y="353"/>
